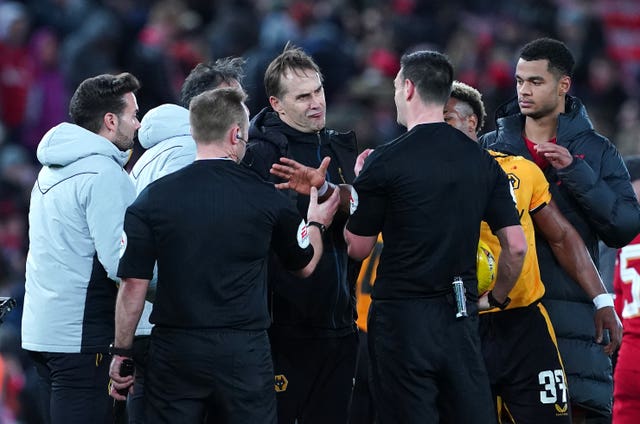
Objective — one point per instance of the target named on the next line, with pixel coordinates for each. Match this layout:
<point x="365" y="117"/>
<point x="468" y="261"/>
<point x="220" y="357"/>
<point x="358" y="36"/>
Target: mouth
<point x="525" y="103"/>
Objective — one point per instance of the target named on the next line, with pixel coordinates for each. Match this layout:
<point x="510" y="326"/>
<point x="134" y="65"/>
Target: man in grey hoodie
<point x="75" y="226"/>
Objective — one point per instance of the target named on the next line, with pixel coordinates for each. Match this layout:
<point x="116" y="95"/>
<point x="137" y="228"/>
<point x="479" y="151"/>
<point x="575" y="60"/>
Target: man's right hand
<point x="300" y="177"/>
<point x="117" y="381"/>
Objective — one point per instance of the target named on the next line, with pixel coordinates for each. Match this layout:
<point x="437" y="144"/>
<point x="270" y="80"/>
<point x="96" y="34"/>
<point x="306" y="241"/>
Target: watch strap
<point x="322" y="227"/>
<point x="120" y="351"/>
<point x="494" y="302"/>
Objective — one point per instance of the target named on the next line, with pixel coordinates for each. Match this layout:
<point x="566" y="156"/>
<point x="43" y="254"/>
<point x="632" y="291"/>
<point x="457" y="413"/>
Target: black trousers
<point x="212" y="376"/>
<point x="521" y="354"/>
<point x="314" y="378"/>
<point x="72" y="387"/>
<point x="426" y="365"/>
<point x="362" y="406"/>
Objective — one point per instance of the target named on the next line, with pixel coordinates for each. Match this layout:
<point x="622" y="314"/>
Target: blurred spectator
<point x="627" y="138"/>
<point x="48" y="97"/>
<point x="16" y="67"/>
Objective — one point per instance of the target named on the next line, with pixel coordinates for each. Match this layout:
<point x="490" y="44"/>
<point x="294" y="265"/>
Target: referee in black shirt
<point x="427" y="192"/>
<point x="210" y="226"/>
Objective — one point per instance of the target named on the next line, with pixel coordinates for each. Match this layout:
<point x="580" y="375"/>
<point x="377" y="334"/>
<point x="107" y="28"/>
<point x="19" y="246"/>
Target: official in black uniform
<point x="210" y="226"/>
<point x="427" y="192"/>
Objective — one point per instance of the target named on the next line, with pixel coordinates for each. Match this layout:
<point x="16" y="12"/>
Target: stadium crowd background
<point x="47" y="47"/>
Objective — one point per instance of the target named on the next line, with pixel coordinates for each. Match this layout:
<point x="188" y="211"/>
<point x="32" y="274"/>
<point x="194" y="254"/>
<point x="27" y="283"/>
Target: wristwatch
<point x="120" y="351"/>
<point x="322" y="227"/>
<point x="494" y="303"/>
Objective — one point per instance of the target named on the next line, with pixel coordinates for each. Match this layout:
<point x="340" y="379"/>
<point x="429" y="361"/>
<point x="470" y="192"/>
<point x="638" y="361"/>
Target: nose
<point x="524" y="88"/>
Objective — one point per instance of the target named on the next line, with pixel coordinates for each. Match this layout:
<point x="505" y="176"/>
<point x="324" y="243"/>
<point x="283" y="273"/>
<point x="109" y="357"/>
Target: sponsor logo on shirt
<point x="123" y="243"/>
<point x="353" y="201"/>
<point x="303" y="235"/>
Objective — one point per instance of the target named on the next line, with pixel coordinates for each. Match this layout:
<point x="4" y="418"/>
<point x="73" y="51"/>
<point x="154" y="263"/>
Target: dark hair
<point x="207" y="76"/>
<point x="469" y="95"/>
<point x="633" y="166"/>
<point x="560" y="59"/>
<point x="292" y="59"/>
<point x="98" y="96"/>
<point x="431" y="73"/>
<point x="213" y="112"/>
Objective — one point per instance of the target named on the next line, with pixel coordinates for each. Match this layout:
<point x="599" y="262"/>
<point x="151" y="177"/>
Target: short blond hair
<point x="213" y="112"/>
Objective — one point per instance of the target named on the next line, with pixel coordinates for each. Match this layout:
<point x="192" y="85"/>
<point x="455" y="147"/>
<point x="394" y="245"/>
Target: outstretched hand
<point x="300" y="177"/>
<point x="360" y="161"/>
<point x="606" y="318"/>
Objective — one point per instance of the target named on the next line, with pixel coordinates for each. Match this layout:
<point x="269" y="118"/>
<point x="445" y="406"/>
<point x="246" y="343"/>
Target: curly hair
<point x="469" y="95"/>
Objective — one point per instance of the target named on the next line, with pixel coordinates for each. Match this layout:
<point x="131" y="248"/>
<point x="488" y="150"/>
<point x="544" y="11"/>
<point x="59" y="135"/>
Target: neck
<point x="545" y="128"/>
<point x="214" y="150"/>
<point x="424" y="114"/>
<point x="542" y="129"/>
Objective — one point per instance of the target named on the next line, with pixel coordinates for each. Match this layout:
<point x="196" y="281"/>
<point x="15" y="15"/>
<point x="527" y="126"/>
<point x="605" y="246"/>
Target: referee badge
<point x="303" y="235"/>
<point x="123" y="243"/>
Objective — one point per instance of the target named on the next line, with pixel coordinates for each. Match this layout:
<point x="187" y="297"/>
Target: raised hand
<point x="360" y="161"/>
<point x="300" y="177"/>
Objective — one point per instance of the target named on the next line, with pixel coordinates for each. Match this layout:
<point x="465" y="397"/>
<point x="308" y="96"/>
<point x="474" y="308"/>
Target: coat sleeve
<point x="607" y="199"/>
<point x="110" y="194"/>
<point x="260" y="156"/>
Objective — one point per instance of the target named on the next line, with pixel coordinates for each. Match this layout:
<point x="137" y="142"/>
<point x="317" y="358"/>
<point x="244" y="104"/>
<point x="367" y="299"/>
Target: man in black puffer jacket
<point x="313" y="334"/>
<point x="590" y="185"/>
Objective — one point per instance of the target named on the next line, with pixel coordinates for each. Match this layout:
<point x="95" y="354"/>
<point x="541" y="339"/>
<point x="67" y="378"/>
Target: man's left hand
<point x="606" y="318"/>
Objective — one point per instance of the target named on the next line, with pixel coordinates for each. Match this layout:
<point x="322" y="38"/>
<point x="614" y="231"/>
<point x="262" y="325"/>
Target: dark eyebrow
<point x="301" y="95"/>
<point x="531" y="78"/>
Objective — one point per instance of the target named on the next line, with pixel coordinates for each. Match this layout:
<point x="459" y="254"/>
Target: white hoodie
<point x="166" y="134"/>
<point x="75" y="228"/>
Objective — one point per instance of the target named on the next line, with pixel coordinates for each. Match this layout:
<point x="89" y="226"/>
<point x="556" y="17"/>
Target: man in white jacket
<point x="166" y="134"/>
<point x="75" y="226"/>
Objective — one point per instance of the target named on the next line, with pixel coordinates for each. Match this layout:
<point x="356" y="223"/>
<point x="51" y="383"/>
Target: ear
<point x="110" y="122"/>
<point x="235" y="134"/>
<point x="409" y="89"/>
<point x="564" y="85"/>
<point x="275" y="104"/>
<point x="472" y="122"/>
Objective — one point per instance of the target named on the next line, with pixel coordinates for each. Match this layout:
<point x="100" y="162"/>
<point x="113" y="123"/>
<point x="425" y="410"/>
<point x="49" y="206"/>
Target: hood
<point x="163" y="122"/>
<point x="66" y="143"/>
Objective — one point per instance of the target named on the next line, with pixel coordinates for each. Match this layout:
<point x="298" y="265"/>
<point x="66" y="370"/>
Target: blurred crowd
<point x="47" y="47"/>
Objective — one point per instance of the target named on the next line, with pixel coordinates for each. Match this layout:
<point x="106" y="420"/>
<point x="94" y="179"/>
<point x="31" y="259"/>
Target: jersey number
<point x="552" y="382"/>
<point x="629" y="274"/>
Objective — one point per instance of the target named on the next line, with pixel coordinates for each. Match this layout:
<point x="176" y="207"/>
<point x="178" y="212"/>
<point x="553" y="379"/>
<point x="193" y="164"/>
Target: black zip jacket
<point x="595" y="195"/>
<point x="322" y="305"/>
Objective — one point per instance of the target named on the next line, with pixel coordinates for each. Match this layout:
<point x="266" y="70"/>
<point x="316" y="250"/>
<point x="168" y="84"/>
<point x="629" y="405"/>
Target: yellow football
<point x="485" y="268"/>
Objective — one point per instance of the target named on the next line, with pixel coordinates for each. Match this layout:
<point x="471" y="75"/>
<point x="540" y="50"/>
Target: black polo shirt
<point x="210" y="227"/>
<point x="427" y="192"/>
